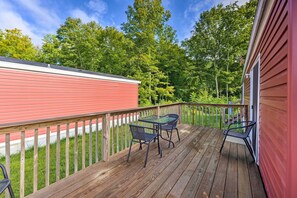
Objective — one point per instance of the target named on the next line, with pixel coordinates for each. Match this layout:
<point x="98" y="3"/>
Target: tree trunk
<point x="217" y="85"/>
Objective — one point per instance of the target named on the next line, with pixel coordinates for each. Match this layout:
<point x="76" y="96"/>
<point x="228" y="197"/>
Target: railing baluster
<point x="199" y="115"/>
<point x="117" y="133"/>
<point x="47" y="156"/>
<point x="112" y="136"/>
<point x="58" y="154"/>
<point x="67" y="150"/>
<point x="22" y="165"/>
<point x="224" y="117"/>
<point x="97" y="140"/>
<point x="209" y="117"/>
<point x="7" y="158"/>
<point x="83" y="145"/>
<point x="105" y="137"/>
<point x="180" y="113"/>
<point x="90" y="143"/>
<point x="216" y="117"/>
<point x="232" y="114"/>
<point x="193" y="115"/>
<point x="126" y="130"/>
<point x="202" y="112"/>
<point x="76" y="148"/>
<point x="197" y="118"/>
<point x="212" y="109"/>
<point x="228" y="115"/>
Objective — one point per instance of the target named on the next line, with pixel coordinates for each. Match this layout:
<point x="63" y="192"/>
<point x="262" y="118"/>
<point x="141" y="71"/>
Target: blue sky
<point x="37" y="18"/>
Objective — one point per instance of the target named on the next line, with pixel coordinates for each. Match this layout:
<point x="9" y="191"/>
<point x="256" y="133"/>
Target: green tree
<point x="145" y="26"/>
<point x="115" y="49"/>
<point x="50" y="51"/>
<point x="219" y="41"/>
<point x="79" y="44"/>
<point x="14" y="44"/>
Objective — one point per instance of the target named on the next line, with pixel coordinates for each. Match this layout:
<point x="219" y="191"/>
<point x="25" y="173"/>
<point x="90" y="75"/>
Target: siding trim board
<point x="33" y="68"/>
<point x="263" y="10"/>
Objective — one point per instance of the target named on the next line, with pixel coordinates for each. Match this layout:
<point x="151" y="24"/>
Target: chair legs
<point x="10" y="190"/>
<point x="147" y="151"/>
<point x="169" y="138"/>
<point x="140" y="145"/>
<point x="130" y="150"/>
<point x="246" y="143"/>
<point x="177" y="134"/>
<point x="250" y="148"/>
<point x="5" y="175"/>
<point x="223" y="143"/>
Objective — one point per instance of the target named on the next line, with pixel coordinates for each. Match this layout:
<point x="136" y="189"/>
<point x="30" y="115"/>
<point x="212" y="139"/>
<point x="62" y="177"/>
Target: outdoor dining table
<point x="158" y="122"/>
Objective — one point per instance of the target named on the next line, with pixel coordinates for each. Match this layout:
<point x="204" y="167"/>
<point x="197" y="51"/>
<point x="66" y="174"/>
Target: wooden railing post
<point x="223" y="116"/>
<point x="7" y="158"/>
<point x="180" y="106"/>
<point x="246" y="114"/>
<point x="193" y="115"/>
<point x="105" y="137"/>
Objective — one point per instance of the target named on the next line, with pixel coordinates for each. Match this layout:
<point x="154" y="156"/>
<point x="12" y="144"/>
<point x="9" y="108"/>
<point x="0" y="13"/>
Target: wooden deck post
<point x="246" y="114"/>
<point x="180" y="106"/>
<point x="105" y="137"/>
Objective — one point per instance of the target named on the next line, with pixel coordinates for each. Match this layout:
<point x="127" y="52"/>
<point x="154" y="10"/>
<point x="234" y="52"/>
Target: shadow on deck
<point x="193" y="168"/>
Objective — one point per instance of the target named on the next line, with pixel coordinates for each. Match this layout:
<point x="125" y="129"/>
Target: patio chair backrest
<point x="137" y="131"/>
<point x="249" y="125"/>
<point x="174" y="122"/>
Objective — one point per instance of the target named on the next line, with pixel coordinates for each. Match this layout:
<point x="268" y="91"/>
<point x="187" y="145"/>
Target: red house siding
<point x="292" y="71"/>
<point x="27" y="95"/>
<point x="273" y="119"/>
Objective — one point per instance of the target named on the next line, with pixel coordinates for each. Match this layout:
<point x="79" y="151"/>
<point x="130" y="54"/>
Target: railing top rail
<point x="27" y="125"/>
<point x="216" y="105"/>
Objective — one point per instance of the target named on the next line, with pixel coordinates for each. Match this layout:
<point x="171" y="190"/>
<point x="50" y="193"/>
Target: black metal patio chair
<point x="240" y="130"/>
<point x="169" y="127"/>
<point x="5" y="182"/>
<point x="140" y="135"/>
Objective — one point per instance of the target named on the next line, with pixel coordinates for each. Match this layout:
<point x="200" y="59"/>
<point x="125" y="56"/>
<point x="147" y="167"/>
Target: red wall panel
<point x="273" y="118"/>
<point x="26" y="95"/>
<point x="292" y="78"/>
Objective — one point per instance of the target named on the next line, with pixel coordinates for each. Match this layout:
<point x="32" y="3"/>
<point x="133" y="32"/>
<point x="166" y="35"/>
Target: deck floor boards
<point x="194" y="168"/>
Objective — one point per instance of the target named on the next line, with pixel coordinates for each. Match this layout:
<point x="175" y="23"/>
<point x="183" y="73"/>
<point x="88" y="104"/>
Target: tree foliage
<point x="217" y="46"/>
<point x="14" y="44"/>
<point x="147" y="27"/>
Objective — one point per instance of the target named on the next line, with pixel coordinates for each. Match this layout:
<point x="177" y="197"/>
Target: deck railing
<point x="76" y="142"/>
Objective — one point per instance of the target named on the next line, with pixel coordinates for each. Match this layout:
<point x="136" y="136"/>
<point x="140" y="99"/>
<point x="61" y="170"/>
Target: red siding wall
<point x="292" y="71"/>
<point x="26" y="95"/>
<point x="273" y="143"/>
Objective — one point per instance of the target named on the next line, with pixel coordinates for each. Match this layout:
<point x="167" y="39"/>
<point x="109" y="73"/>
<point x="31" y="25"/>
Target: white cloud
<point x="10" y="19"/>
<point x="44" y="16"/>
<point x="78" y="13"/>
<point x="98" y="6"/>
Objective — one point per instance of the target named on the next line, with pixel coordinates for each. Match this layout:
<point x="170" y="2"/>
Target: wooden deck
<point x="194" y="168"/>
